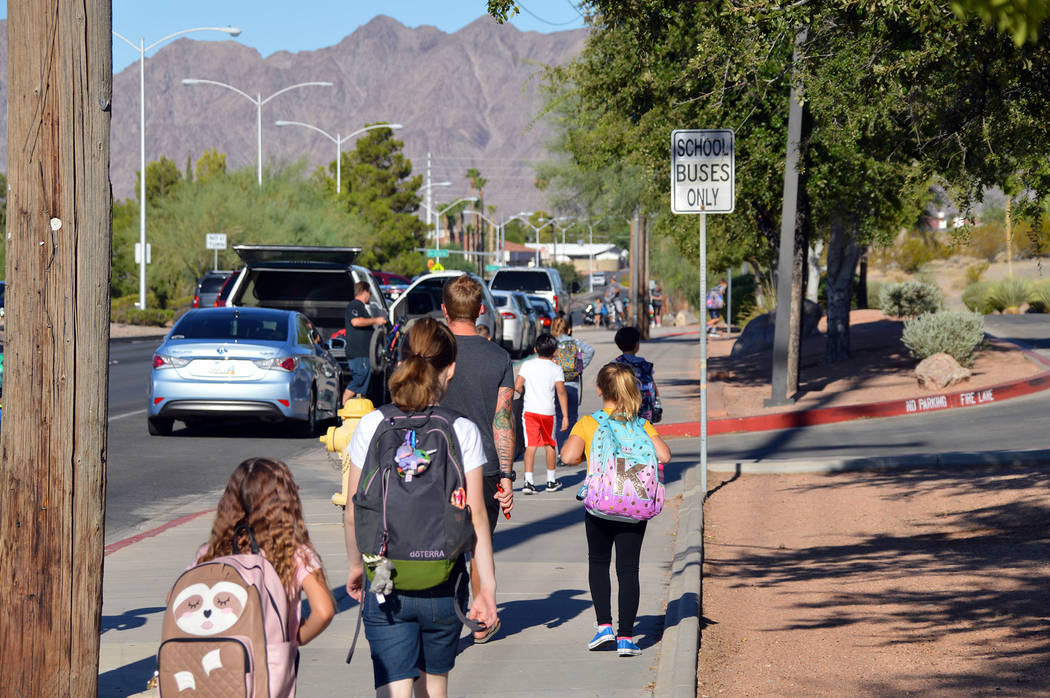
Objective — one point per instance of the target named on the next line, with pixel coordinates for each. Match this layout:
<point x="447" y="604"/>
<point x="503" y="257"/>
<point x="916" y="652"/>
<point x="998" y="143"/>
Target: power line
<point x="553" y="24"/>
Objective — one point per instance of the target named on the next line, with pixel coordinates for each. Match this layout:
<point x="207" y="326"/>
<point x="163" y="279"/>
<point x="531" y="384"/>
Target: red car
<point x="388" y="278"/>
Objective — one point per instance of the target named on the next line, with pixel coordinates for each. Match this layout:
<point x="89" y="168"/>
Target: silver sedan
<point x="259" y="363"/>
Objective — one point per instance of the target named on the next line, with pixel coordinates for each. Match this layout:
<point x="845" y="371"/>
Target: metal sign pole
<point x="215" y="264"/>
<point x="703" y="357"/>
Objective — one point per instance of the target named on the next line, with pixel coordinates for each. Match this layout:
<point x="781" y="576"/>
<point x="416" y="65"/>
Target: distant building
<point x="603" y="255"/>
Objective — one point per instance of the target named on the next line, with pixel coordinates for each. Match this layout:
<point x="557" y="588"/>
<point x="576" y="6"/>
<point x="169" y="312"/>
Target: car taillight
<point x="507" y="315"/>
<point x="546" y="322"/>
<point x="162" y="361"/>
<point x="555" y="302"/>
<point x="287" y="363"/>
<point x="196" y="301"/>
<point x="219" y="303"/>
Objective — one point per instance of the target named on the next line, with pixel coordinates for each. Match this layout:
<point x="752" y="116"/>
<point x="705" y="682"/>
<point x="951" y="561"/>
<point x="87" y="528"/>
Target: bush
<point x="1039" y="301"/>
<point x="156" y="317"/>
<point x="1010" y="293"/>
<point x="908" y="299"/>
<point x="975" y="271"/>
<point x="913" y="254"/>
<point x="959" y="334"/>
<point x="977" y="298"/>
<point x="987" y="241"/>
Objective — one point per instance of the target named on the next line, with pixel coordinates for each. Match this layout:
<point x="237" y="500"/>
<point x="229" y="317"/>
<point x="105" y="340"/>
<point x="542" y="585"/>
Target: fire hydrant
<point x="337" y="439"/>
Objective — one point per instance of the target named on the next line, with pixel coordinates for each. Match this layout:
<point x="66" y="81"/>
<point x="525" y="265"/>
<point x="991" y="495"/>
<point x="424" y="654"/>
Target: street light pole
<point x="258" y="101"/>
<point x="339" y="140"/>
<point x="438" y="214"/>
<point x="142" y="49"/>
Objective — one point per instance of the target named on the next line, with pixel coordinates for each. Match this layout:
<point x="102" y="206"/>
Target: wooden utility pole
<point x="52" y="459"/>
<point x="641" y="310"/>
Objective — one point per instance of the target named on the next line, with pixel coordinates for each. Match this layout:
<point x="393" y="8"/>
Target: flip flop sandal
<point x="487" y="633"/>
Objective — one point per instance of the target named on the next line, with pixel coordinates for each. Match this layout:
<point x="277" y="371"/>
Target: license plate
<point x="223" y="368"/>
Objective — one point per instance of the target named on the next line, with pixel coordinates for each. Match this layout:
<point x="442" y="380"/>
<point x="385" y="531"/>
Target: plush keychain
<point x="382" y="577"/>
<point x="411" y="461"/>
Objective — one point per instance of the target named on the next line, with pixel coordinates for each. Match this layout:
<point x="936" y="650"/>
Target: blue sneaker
<point x="604" y="636"/>
<point x="625" y="647"/>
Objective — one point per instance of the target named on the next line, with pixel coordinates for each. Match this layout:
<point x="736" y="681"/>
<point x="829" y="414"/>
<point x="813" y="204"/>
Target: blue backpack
<point x="643" y="371"/>
<point x="625" y="478"/>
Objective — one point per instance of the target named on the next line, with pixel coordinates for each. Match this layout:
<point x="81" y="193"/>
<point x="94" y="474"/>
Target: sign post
<point x="216" y="242"/>
<point x="703" y="181"/>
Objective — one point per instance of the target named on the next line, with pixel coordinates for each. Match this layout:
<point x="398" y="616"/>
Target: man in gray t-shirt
<point x="482" y="389"/>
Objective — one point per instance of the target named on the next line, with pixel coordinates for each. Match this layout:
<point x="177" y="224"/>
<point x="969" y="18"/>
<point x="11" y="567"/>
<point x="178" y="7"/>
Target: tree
<point x="379" y="189"/>
<point x="162" y="177"/>
<point x="209" y="164"/>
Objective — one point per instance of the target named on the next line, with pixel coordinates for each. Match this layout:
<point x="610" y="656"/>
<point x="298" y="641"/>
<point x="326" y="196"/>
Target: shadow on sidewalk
<point x="126" y="680"/>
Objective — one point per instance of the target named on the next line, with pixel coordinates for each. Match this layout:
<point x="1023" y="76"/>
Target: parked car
<point x="387" y="278"/>
<point x="545" y="311"/>
<point x="318" y="282"/>
<point x="208" y="288"/>
<point x="3" y="292"/>
<point x="423" y="298"/>
<point x="598" y="279"/>
<point x="519" y="327"/>
<point x="224" y="292"/>
<point x="538" y="281"/>
<point x="534" y="318"/>
<point x="261" y="363"/>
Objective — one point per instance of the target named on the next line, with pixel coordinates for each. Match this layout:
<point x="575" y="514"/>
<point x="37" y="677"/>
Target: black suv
<point x="208" y="288"/>
<point x="319" y="283"/>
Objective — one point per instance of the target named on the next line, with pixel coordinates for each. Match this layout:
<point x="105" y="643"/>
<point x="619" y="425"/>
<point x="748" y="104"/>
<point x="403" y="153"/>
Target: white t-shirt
<point x="540" y="376"/>
<point x="469" y="441"/>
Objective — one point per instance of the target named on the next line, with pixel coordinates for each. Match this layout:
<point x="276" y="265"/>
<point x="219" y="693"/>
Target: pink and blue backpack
<point x="625" y="480"/>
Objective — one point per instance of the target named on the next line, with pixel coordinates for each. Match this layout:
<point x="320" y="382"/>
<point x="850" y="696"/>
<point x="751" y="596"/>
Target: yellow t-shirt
<point x="586" y="426"/>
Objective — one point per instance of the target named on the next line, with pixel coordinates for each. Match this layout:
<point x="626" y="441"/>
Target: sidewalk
<point x="541" y="570"/>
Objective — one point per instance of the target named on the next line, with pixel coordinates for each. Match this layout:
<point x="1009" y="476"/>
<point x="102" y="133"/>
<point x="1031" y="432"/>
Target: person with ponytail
<point x="621" y="399"/>
<point x="413" y="635"/>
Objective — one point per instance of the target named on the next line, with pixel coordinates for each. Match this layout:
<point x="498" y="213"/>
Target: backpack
<point x="625" y="480"/>
<point x="225" y="630"/>
<point x="570" y="358"/>
<point x="643" y="371"/>
<point x="714" y="298"/>
<point x="411" y="517"/>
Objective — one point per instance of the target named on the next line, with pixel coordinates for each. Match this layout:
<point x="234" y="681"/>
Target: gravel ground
<point x="932" y="583"/>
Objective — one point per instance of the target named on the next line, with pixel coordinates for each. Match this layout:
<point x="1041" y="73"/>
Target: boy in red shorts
<point x="541" y="379"/>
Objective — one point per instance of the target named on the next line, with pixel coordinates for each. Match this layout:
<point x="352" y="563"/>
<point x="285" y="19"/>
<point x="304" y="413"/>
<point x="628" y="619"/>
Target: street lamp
<point x="524" y="218"/>
<point x="498" y="228"/>
<point x="142" y="48"/>
<point x="258" y="101"/>
<point x="427" y="188"/>
<point x="339" y="140"/>
<point x="437" y="216"/>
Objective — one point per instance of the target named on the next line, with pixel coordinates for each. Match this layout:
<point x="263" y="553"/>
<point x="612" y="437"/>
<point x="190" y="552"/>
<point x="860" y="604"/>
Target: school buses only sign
<point x="703" y="170"/>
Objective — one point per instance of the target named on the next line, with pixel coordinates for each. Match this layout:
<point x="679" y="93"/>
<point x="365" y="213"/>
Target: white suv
<point x="535" y="281"/>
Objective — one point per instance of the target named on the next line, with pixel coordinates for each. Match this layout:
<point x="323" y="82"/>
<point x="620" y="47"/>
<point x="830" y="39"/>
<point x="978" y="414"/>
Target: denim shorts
<point x="360" y="374"/>
<point x="410" y="632"/>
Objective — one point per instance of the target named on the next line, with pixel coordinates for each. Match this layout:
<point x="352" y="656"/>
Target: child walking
<point x="542" y="379"/>
<point x="621" y="399"/>
<point x="629" y="339"/>
<point x="262" y="495"/>
<point x="413" y="633"/>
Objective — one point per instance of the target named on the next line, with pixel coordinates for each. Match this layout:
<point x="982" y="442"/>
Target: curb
<point x="890" y="408"/>
<point x="921" y="461"/>
<point x="676" y="670"/>
<point x="131" y="540"/>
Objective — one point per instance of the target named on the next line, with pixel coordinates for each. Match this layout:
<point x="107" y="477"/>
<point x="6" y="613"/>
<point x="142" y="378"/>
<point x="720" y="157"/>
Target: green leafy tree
<point x="162" y="177"/>
<point x="378" y="189"/>
<point x="210" y="164"/>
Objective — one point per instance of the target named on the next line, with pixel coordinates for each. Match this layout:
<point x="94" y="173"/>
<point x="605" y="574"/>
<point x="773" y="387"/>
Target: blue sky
<point x="271" y="26"/>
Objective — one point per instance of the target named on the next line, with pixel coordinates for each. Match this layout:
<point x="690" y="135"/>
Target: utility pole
<point x="53" y="455"/>
<point x="635" y="263"/>
<point x="641" y="308"/>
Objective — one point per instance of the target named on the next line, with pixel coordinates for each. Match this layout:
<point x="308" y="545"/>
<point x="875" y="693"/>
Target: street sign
<point x="430" y="264"/>
<point x="703" y="170"/>
<point x="215" y="241"/>
<point x="437" y="267"/>
<point x="437" y="253"/>
<point x="493" y="267"/>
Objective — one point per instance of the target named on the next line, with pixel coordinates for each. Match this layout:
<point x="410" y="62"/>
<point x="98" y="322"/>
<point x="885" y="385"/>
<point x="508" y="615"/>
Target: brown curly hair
<point x="262" y="495"/>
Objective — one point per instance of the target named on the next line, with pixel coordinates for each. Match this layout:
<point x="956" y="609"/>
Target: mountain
<point x="470" y="98"/>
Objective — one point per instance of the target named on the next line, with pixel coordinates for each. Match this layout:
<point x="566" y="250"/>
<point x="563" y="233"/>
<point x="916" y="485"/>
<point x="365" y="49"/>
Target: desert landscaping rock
<point x="758" y="335"/>
<point x="940" y="371"/>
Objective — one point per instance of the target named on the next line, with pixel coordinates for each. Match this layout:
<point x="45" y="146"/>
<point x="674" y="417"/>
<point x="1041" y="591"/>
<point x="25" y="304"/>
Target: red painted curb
<point x="889" y="408"/>
<point x="114" y="547"/>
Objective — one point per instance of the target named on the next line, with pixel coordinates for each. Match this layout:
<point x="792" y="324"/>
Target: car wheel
<point x="308" y="427"/>
<point x="159" y="426"/>
<point x="377" y="349"/>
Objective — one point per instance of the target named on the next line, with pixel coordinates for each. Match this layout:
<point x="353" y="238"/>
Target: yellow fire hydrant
<point x="337" y="439"/>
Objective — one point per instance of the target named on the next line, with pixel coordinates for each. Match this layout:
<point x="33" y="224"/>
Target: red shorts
<point x="539" y="429"/>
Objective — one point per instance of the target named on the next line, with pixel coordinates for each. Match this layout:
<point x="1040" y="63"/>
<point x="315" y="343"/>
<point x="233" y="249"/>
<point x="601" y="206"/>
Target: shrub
<point x="1010" y="293"/>
<point x="987" y="241"/>
<point x="913" y="254"/>
<point x="1039" y="300"/>
<point x="908" y="299"/>
<point x="157" y="317"/>
<point x="977" y="299"/>
<point x="959" y="334"/>
<point x="975" y="271"/>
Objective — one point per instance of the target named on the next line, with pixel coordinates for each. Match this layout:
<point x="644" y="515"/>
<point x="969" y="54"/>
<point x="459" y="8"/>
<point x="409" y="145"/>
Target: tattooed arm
<point x="503" y="429"/>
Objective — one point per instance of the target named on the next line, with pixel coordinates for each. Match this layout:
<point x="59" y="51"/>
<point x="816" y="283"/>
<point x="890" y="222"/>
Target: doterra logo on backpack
<point x="410" y="512"/>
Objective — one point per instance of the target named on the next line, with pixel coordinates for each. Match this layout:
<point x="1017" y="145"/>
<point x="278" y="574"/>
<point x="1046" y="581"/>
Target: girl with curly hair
<point x="262" y="495"/>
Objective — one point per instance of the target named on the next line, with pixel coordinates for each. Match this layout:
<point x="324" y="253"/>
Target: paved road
<point x="1031" y="330"/>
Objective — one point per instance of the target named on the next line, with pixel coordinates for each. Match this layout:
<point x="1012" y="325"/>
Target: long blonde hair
<point x="619" y="385"/>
